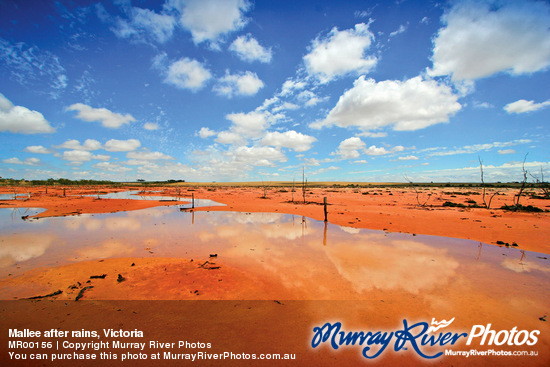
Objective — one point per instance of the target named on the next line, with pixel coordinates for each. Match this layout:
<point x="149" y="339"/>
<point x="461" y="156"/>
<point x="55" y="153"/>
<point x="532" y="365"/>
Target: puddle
<point x="307" y="258"/>
<point x="366" y="277"/>
<point x="14" y="197"/>
<point x="140" y="195"/>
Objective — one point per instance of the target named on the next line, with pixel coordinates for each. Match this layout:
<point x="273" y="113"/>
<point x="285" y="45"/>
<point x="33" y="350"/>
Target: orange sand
<point x="390" y="209"/>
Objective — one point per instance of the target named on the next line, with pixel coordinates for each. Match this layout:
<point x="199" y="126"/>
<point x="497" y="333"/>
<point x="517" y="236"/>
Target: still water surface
<point x="301" y="253"/>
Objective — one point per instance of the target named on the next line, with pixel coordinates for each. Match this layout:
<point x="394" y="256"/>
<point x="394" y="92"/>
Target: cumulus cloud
<point x="107" y="118"/>
<point x="374" y="150"/>
<point x="89" y="144"/>
<point x="248" y="49"/>
<point x="354" y="147"/>
<point x="524" y="106"/>
<point x="244" y="84"/>
<point x="38" y="149"/>
<point x="289" y="139"/>
<point x="248" y="125"/>
<point x="81" y="156"/>
<point x="486" y="37"/>
<point x="408" y="158"/>
<point x="228" y="137"/>
<point x="406" y="106"/>
<point x="342" y="52"/>
<point x="187" y="74"/>
<point x="208" y="20"/>
<point x="350" y="148"/>
<point x="19" y="119"/>
<point x="111" y="167"/>
<point x="259" y="156"/>
<point x="205" y="132"/>
<point x="151" y="126"/>
<point x="26" y="162"/>
<point x="115" y="145"/>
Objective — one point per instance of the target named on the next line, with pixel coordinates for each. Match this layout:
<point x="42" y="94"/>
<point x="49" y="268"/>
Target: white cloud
<point x="32" y="67"/>
<point x="144" y="23"/>
<point x="19" y="119"/>
<point x="205" y="132"/>
<point x="369" y="134"/>
<point x="408" y="158"/>
<point x="354" y="147"/>
<point x="115" y="145"/>
<point x="374" y="150"/>
<point x="107" y="118"/>
<point x="244" y="84"/>
<point x="248" y="125"/>
<point x="77" y="156"/>
<point x="400" y="30"/>
<point x="89" y="144"/>
<point x="406" y="106"/>
<point x="482" y="105"/>
<point x="187" y="74"/>
<point x="341" y="53"/>
<point x="248" y="49"/>
<point x="147" y="156"/>
<point x="506" y="151"/>
<point x="289" y="139"/>
<point x="286" y="106"/>
<point x="112" y="167"/>
<point x="469" y="149"/>
<point x="312" y="162"/>
<point x="484" y="38"/>
<point x="151" y="126"/>
<point x="207" y="20"/>
<point x="38" y="149"/>
<point x="523" y="106"/>
<point x="350" y="148"/>
<point x="26" y="162"/>
<point x="289" y="86"/>
<point x="228" y="137"/>
<point x="310" y="99"/>
<point x="101" y="157"/>
<point x="259" y="156"/>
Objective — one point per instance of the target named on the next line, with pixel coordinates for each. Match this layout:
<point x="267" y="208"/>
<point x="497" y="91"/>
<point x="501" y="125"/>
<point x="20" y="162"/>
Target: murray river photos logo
<point x="417" y="337"/>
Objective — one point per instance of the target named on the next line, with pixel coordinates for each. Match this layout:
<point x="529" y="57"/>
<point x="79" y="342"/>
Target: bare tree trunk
<point x="418" y="194"/>
<point x="524" y="180"/>
<point x="482" y="181"/>
<point x="304" y="183"/>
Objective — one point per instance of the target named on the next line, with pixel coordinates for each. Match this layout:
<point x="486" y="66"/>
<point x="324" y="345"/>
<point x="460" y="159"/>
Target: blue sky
<point x="238" y="90"/>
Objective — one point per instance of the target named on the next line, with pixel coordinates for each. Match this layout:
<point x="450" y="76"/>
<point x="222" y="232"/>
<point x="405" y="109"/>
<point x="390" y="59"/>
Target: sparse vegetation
<point x="522" y="208"/>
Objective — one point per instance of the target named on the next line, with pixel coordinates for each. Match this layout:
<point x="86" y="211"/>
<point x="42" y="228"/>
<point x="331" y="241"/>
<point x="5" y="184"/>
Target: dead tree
<point x="304" y="183"/>
<point x="518" y="195"/>
<point x="543" y="186"/>
<point x="487" y="204"/>
<point x="418" y="194"/>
